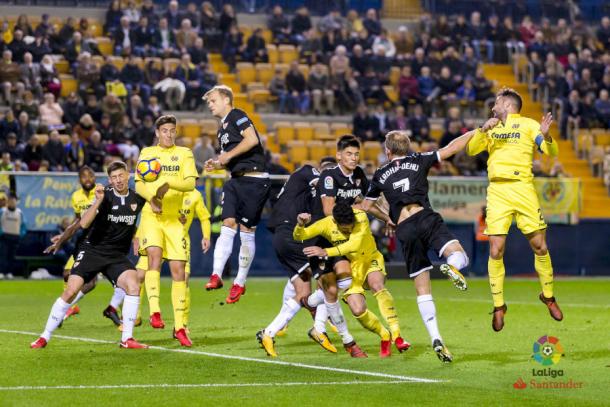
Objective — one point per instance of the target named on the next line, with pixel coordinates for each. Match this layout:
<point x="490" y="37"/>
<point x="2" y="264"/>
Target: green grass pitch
<point x="227" y="366"/>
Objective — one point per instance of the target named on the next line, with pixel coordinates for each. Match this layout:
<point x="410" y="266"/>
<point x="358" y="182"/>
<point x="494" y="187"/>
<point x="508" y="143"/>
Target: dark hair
<point x="328" y="159"/>
<point x="116" y="165"/>
<point x="511" y="93"/>
<point x="344" y="214"/>
<point x="85" y="168"/>
<point x="165" y="119"/>
<point x="347" y="141"/>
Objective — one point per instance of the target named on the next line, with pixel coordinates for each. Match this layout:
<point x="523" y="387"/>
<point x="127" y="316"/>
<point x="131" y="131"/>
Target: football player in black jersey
<point x="299" y="194"/>
<point x="112" y="223"/>
<point x="345" y="183"/>
<point x="404" y="184"/>
<point x="244" y="195"/>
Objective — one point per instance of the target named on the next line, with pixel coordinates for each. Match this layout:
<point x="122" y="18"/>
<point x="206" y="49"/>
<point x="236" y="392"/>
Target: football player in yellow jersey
<point x="160" y="226"/>
<point x="192" y="206"/>
<point x="349" y="232"/>
<point x="511" y="140"/>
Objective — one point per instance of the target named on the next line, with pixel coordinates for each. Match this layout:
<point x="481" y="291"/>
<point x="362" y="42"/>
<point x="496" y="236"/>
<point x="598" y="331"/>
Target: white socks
<point x="428" y="315"/>
<point x="78" y="297"/>
<point x="319" y="322"/>
<point x="117" y="297"/>
<point x="56" y="317"/>
<point x="338" y="320"/>
<point x="288" y="311"/>
<point x="223" y="249"/>
<point x="458" y="259"/>
<point x="316" y="298"/>
<point x="289" y="291"/>
<point x="130" y="311"/>
<point x="246" y="255"/>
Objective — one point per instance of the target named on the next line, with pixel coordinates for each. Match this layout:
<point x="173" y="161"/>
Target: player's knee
<point x="496" y="251"/>
<point x="132" y="287"/>
<point x="357" y="308"/>
<point x="230" y="223"/>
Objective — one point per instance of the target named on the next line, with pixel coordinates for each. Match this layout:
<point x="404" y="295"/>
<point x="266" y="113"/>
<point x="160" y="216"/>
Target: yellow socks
<point x="385" y="301"/>
<point x="187" y="306"/>
<point x="152" y="281"/>
<point x="370" y="321"/>
<point x="544" y="268"/>
<point x="495" y="268"/>
<point x="179" y="303"/>
<point x="139" y="314"/>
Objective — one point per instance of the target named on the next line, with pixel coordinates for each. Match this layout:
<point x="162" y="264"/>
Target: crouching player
<point x="349" y="232"/>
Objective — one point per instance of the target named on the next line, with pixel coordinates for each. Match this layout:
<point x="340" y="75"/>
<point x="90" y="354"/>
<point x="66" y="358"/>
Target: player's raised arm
<point x="301" y="232"/>
<point x="543" y="140"/>
<point x="455" y="145"/>
<point x="89" y="216"/>
<point x="478" y="142"/>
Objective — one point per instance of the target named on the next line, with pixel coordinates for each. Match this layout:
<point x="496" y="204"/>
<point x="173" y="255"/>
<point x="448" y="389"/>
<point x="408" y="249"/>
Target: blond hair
<point x="223" y="90"/>
<point x="397" y="142"/>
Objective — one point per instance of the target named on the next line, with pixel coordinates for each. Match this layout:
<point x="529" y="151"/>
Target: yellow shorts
<point x="143" y="259"/>
<point x="167" y="234"/>
<point x="361" y="270"/>
<point x="506" y="199"/>
<point x="69" y="263"/>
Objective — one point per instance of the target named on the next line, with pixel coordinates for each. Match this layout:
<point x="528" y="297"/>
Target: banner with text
<point x="45" y="198"/>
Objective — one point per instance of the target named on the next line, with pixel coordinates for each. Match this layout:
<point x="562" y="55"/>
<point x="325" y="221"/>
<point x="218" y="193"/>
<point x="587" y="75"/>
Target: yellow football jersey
<point x="193" y="205"/>
<point x="358" y="245"/>
<point x="177" y="164"/>
<point x="82" y="200"/>
<point x="511" y="148"/>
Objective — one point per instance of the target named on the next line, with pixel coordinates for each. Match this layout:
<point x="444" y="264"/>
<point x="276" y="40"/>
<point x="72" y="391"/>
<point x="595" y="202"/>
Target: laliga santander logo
<point x="547" y="350"/>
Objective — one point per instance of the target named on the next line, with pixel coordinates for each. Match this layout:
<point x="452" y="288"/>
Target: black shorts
<point x="321" y="266"/>
<point x="423" y="231"/>
<point x="243" y="198"/>
<point x="290" y="252"/>
<point x="88" y="263"/>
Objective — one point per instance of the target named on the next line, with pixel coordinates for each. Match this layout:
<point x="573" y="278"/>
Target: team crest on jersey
<point x="224" y="125"/>
<point x="516" y="126"/>
<point x="174" y="158"/>
<point x="187" y="202"/>
<point x="134" y="207"/>
<point x="328" y="182"/>
<point x="357" y="182"/>
<point x="144" y="241"/>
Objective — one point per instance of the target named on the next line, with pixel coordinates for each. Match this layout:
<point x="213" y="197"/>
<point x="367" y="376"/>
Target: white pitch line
<point x="199" y="385"/>
<point x="248" y="359"/>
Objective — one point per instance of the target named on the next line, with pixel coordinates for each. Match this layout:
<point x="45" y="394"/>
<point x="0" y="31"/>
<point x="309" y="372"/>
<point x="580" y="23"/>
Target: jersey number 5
<point x="402" y="184"/>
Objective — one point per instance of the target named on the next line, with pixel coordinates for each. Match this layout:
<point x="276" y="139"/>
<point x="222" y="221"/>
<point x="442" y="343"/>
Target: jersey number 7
<point x="402" y="184"/>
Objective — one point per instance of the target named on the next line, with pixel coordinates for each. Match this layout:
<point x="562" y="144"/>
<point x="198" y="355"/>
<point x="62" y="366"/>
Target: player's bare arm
<point x="90" y="214"/>
<point x="545" y="125"/>
<point x="328" y="203"/>
<point x="456" y="145"/>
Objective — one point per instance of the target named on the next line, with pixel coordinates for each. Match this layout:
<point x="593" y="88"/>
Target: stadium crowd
<point x="351" y="57"/>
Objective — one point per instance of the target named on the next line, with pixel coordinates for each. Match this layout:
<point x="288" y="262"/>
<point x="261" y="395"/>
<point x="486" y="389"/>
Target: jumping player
<point x="404" y="184"/>
<point x="112" y="222"/>
<point x="511" y="140"/>
<point x="244" y="195"/>
<point x="163" y="234"/>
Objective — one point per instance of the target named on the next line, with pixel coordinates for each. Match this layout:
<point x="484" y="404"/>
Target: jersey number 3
<point x="402" y="184"/>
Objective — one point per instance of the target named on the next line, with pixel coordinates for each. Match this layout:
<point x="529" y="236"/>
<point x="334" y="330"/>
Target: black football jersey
<point x="344" y="188"/>
<point x="404" y="181"/>
<point x="296" y="197"/>
<point x="230" y="135"/>
<point x="115" y="223"/>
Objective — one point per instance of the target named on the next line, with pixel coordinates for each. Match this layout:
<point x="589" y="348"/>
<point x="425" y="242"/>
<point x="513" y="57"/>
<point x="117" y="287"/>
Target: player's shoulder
<point x="361" y="216"/>
<point x="149" y="152"/>
<point x="359" y="172"/>
<point x="528" y="122"/>
<point x="184" y="151"/>
<point x="307" y="169"/>
<point x="193" y="195"/>
<point x="237" y="114"/>
<point x="332" y="171"/>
